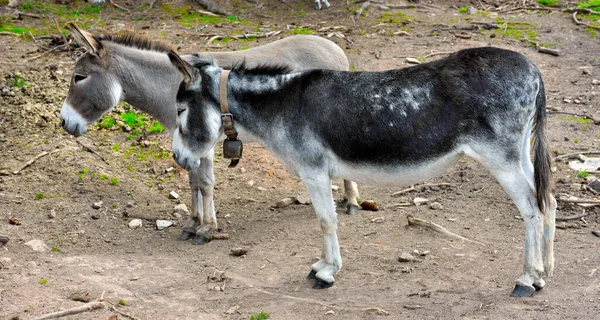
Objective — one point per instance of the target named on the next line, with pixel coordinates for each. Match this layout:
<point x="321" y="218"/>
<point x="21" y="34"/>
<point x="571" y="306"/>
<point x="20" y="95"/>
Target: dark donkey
<point x="396" y="127"/>
<point x="137" y="70"/>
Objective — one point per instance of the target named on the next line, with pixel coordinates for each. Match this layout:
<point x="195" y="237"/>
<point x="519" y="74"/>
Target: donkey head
<point x="199" y="119"/>
<point x="93" y="91"/>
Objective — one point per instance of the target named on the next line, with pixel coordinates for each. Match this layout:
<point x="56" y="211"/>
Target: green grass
<point x="55" y="249"/>
<point x="19" y="82"/>
<point x="591" y="4"/>
<point x="548" y="3"/>
<point x="115" y="147"/>
<point x="122" y="302"/>
<point x="114" y="181"/>
<point x="189" y="17"/>
<point x="517" y="30"/>
<point x="156" y="127"/>
<point x="133" y="119"/>
<point x="39" y="196"/>
<point x="43" y="281"/>
<point x="576" y="119"/>
<point x="302" y="31"/>
<point x="464" y="9"/>
<point x="103" y="177"/>
<point x="582" y="174"/>
<point x="260" y="316"/>
<point x="397" y="18"/>
<point x="107" y="122"/>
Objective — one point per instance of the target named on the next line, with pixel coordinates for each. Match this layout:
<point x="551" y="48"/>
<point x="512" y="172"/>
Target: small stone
<point x="97" y="205"/>
<point x="232" y="310"/>
<point x="242" y="170"/>
<point x="130" y="204"/>
<point x="436" y="206"/>
<point x="378" y="220"/>
<point x="594" y="185"/>
<point x="238" y="252"/>
<point x="261" y="189"/>
<point x="586" y="71"/>
<point x="163" y="224"/>
<point x="596" y="82"/>
<point x="577" y="101"/>
<point x="177" y="215"/>
<point x="419" y="201"/>
<point x="303" y="199"/>
<point x="3" y="239"/>
<point x="135" y="223"/>
<point x="37" y="245"/>
<point x="407" y="257"/>
<point x="334" y="187"/>
<point x="146" y="143"/>
<point x="596" y="233"/>
<point x="330" y="313"/>
<point x="173" y="195"/>
<point x="169" y="169"/>
<point x="95" y="216"/>
<point x="52" y="214"/>
<point x="413" y="61"/>
<point x="250" y="183"/>
<point x="284" y="202"/>
<point x="565" y="100"/>
<point x="407" y="269"/>
<point x="181" y="209"/>
<point x="424" y="253"/>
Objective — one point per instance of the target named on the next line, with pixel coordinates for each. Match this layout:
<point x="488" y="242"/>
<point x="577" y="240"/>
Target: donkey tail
<point x="541" y="160"/>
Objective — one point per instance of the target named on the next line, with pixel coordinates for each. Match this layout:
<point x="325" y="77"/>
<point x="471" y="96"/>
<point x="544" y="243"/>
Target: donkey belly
<point x="389" y="174"/>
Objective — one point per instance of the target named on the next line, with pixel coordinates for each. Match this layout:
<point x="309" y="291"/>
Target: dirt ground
<point x="159" y="277"/>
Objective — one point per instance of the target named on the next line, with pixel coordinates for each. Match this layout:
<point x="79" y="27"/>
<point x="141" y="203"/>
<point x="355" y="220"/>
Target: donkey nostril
<point x="175" y="155"/>
<point x="62" y="122"/>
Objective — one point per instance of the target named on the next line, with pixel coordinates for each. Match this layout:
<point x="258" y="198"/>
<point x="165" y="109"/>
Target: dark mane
<point x="130" y="39"/>
<point x="265" y="68"/>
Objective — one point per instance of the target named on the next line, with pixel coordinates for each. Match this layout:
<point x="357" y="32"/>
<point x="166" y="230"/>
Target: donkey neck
<point x="149" y="81"/>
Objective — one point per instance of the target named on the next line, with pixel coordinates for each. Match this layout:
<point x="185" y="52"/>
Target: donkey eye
<point x="79" y="78"/>
<point x="179" y="111"/>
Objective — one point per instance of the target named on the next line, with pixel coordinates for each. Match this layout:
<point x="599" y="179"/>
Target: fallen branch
<point x="437" y="54"/>
<point x="411" y="188"/>
<point x="573" y="217"/>
<point x="114" y="4"/>
<point x="583" y="23"/>
<point x="36" y="158"/>
<point x="244" y="36"/>
<point x="412" y="221"/>
<point x="6" y="33"/>
<point x="579" y="201"/>
<point x="541" y="49"/>
<point x="48" y="51"/>
<point x="220" y="236"/>
<point x="90" y="306"/>
<point x="126" y="315"/>
<point x="90" y="150"/>
<point x="575" y="154"/>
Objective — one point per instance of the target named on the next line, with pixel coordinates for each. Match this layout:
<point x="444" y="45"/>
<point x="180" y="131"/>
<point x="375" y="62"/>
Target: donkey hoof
<point x="201" y="239"/>
<point x="312" y="275"/>
<point x="539" y="284"/>
<point x="321" y="284"/>
<point x="351" y="209"/>
<point x="522" y="291"/>
<point x="186" y="235"/>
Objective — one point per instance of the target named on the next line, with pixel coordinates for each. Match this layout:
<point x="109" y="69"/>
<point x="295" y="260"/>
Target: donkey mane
<point x="261" y="69"/>
<point x="130" y="39"/>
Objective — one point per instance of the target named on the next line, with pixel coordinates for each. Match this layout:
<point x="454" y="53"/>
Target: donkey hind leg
<point x="548" y="216"/>
<point x="351" y="190"/>
<point x="202" y="181"/>
<point x="319" y="188"/>
<point x="519" y="188"/>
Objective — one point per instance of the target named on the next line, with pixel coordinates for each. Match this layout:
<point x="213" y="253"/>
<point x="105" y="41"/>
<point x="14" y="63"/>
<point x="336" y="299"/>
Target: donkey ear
<point x="85" y="39"/>
<point x="183" y="67"/>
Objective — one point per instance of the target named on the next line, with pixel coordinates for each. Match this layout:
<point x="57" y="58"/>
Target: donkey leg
<point x="204" y="181"/>
<point x="319" y="188"/>
<point x="351" y="190"/>
<point x="195" y="220"/>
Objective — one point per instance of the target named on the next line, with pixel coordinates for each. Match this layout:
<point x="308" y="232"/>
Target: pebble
<point x="261" y="189"/>
<point x="303" y="199"/>
<point x="238" y="252"/>
<point x="413" y="61"/>
<point x="334" y="187"/>
<point x="38" y="245"/>
<point x="407" y="257"/>
<point x="52" y="214"/>
<point x="436" y="206"/>
<point x="284" y="202"/>
<point x="596" y="233"/>
<point x="97" y="205"/>
<point x="595" y="185"/>
<point x="419" y="201"/>
<point x="130" y="204"/>
<point x="181" y="209"/>
<point x="177" y="215"/>
<point x="232" y="310"/>
<point x="3" y="239"/>
<point x="173" y="195"/>
<point x="250" y="183"/>
<point x="163" y="224"/>
<point x="596" y="82"/>
<point x="135" y="223"/>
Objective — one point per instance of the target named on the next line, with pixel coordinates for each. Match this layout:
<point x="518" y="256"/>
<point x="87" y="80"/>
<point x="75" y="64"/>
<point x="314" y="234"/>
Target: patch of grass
<point x="39" y="196"/>
<point x="114" y="181"/>
<point x="548" y="3"/>
<point x="576" y="119"/>
<point x="517" y="30"/>
<point x="397" y="18"/>
<point x="122" y="302"/>
<point x="55" y="249"/>
<point x="7" y="27"/>
<point x="116" y="147"/>
<point x="162" y="154"/>
<point x="156" y="127"/>
<point x="591" y="4"/>
<point x="133" y="119"/>
<point x="19" y="82"/>
<point x="43" y="281"/>
<point x="103" y="177"/>
<point x="302" y="31"/>
<point x="582" y="174"/>
<point x="260" y="316"/>
<point x="576" y="140"/>
<point x="107" y="122"/>
<point x="189" y="17"/>
<point x="464" y="9"/>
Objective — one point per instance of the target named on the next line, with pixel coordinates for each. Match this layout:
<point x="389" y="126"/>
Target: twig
<point x="59" y="31"/>
<point x="411" y="188"/>
<point x="244" y="36"/>
<point x="140" y="216"/>
<point x="576" y="154"/>
<point x="114" y="4"/>
<point x="412" y="221"/>
<point x="6" y="33"/>
<point x="580" y="201"/>
<point x="220" y="236"/>
<point x="36" y="158"/>
<point x="583" y="23"/>
<point x="45" y="53"/>
<point x="88" y="149"/>
<point x="573" y="217"/>
<point x="90" y="306"/>
<point x="437" y="54"/>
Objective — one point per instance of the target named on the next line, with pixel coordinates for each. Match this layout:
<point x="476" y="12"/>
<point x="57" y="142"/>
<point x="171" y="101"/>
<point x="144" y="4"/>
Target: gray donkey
<point x="395" y="127"/>
<point x="135" y="69"/>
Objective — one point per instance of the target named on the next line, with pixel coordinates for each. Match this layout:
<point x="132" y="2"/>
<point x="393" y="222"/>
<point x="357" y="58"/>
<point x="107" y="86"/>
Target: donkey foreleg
<point x="319" y="188"/>
<point x="204" y="219"/>
<point x="351" y="190"/>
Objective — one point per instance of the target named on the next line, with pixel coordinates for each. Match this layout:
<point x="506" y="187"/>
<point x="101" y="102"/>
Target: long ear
<point x="85" y="39"/>
<point x="184" y="68"/>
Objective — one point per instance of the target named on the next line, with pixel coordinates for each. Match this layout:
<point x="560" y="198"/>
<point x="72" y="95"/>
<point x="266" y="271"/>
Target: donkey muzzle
<point x="185" y="161"/>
